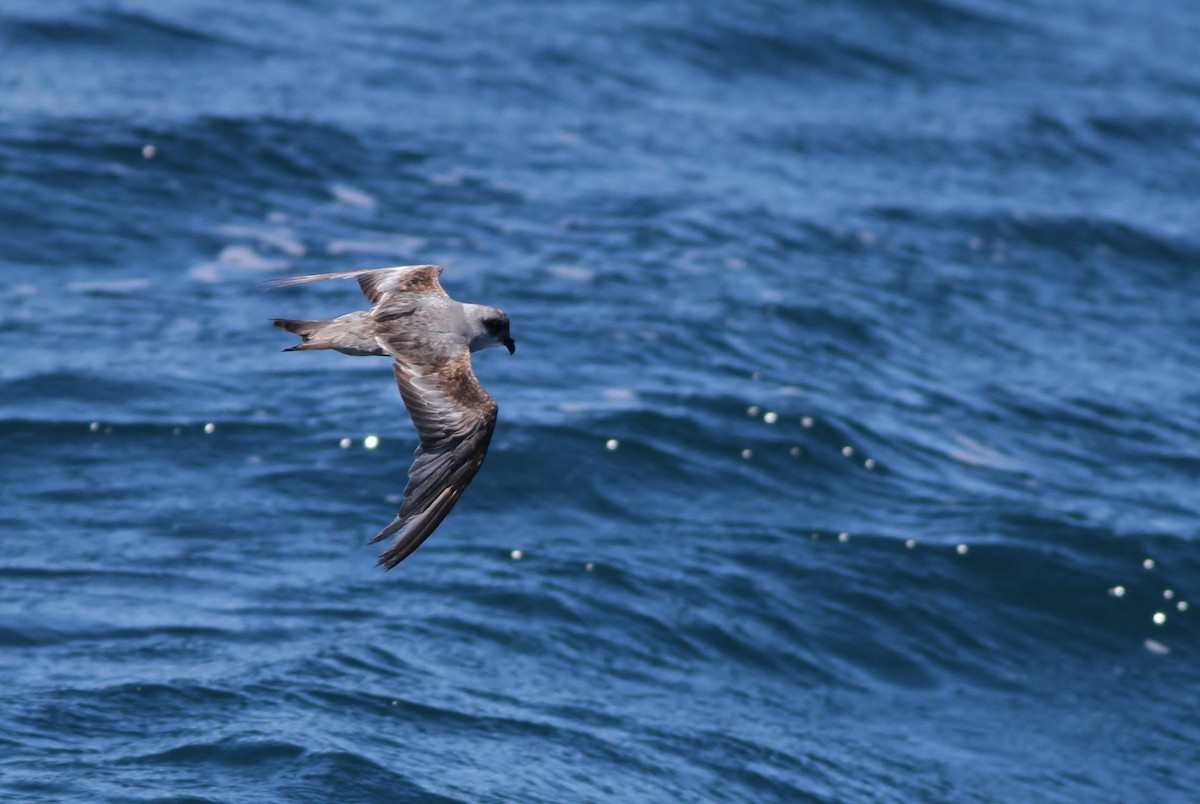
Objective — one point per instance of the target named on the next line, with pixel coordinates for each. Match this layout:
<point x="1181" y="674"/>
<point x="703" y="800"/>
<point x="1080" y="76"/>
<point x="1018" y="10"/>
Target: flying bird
<point x="430" y="338"/>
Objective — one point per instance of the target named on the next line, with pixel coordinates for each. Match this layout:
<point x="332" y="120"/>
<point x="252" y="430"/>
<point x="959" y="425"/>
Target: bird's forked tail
<point x="350" y="334"/>
<point x="306" y="330"/>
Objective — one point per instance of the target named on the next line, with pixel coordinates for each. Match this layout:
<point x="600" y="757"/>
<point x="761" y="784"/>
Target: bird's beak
<point x="510" y="345"/>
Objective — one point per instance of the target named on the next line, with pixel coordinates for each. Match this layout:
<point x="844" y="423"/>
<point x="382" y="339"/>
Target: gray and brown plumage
<point x="430" y="338"/>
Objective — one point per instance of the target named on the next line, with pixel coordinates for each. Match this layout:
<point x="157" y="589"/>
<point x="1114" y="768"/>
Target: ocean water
<point x="849" y="453"/>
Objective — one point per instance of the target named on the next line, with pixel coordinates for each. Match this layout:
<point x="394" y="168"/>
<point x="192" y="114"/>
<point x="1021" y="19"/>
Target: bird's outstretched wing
<point x="378" y="282"/>
<point x="454" y="417"/>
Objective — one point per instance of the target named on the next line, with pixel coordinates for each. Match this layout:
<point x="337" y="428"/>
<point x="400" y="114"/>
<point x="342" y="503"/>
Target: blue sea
<point x="850" y="451"/>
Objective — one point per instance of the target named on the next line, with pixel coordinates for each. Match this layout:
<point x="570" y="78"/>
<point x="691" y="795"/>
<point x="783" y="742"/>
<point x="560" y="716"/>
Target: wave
<point x="129" y="32"/>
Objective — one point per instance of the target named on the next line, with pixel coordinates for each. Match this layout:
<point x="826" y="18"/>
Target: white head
<point x="488" y="327"/>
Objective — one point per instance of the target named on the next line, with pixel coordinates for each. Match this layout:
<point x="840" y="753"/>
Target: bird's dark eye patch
<point x="494" y="325"/>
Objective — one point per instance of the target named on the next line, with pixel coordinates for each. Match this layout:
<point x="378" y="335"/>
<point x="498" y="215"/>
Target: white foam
<point x="345" y="194"/>
<point x="281" y="238"/>
<point x="397" y="245"/>
<point x="572" y="272"/>
<point x="208" y="272"/>
<point x="244" y="258"/>
<point x="108" y="285"/>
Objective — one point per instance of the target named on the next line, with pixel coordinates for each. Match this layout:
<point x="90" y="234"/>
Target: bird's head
<point x="493" y="326"/>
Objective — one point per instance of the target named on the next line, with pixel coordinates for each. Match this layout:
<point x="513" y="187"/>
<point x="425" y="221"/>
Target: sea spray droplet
<point x="345" y="443"/>
<point x="611" y="444"/>
<point x="371" y="441"/>
<point x="210" y="428"/>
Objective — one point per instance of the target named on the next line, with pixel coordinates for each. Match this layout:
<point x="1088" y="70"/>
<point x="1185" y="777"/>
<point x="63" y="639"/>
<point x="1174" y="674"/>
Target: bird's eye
<point x="493" y="325"/>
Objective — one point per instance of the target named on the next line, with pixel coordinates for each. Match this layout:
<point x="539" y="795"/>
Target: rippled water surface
<point x="850" y="451"/>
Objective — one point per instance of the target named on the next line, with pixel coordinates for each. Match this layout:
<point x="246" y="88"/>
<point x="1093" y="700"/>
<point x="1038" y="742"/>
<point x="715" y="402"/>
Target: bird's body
<point x="430" y="338"/>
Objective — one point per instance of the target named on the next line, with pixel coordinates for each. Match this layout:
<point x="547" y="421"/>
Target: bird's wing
<point x="378" y="282"/>
<point x="455" y="418"/>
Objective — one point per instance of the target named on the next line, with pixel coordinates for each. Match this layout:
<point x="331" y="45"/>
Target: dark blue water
<point x="891" y="312"/>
